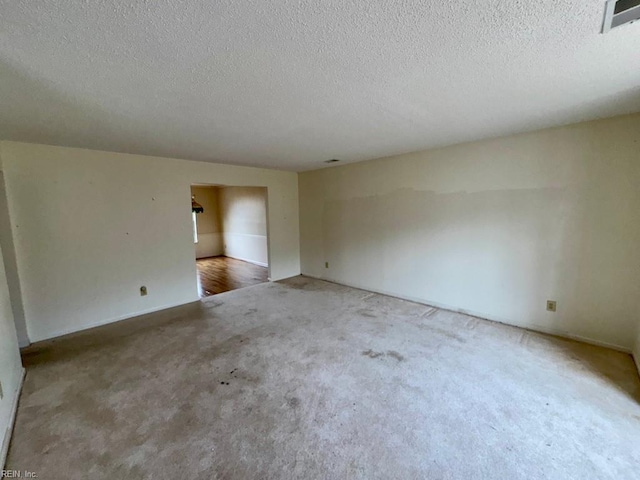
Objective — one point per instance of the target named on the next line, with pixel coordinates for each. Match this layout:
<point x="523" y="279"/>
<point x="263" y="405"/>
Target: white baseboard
<point x="6" y="440"/>
<point x="246" y="247"/>
<point x="484" y="316"/>
<point x="209" y="245"/>
<point x="248" y="261"/>
<point x="80" y="328"/>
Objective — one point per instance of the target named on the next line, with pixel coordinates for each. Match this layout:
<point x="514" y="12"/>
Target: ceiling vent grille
<point x="620" y="12"/>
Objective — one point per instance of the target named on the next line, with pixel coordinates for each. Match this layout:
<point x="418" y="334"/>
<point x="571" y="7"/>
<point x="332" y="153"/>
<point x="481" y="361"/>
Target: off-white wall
<point x="10" y="366"/>
<point x="494" y="228"/>
<point x="636" y="350"/>
<point x="244" y="223"/>
<point x="91" y="227"/>
<point x="11" y="265"/>
<point x="209" y="222"/>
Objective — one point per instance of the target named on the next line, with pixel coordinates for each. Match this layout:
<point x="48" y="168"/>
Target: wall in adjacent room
<point x="91" y="227"/>
<point x="209" y="222"/>
<point x="494" y="228"/>
<point x="244" y="223"/>
<point x="10" y="366"/>
<point x="636" y="350"/>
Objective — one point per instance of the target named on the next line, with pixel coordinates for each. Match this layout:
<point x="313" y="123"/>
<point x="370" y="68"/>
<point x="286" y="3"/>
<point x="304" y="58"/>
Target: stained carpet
<point x="307" y="379"/>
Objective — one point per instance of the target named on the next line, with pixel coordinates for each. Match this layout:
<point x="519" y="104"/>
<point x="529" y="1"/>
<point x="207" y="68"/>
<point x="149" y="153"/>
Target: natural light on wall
<point x="195" y="227"/>
<point x="195" y="209"/>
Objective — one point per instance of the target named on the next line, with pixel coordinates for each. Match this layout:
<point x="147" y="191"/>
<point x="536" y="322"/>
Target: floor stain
<point x="441" y="331"/>
<point x="396" y="355"/>
<point x="390" y="353"/>
<point x="371" y="354"/>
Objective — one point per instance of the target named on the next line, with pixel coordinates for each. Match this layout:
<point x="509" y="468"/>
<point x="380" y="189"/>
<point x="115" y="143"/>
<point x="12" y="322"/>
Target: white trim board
<point x="247" y="247"/>
<point x="62" y="333"/>
<point x="483" y="316"/>
<point x="6" y="439"/>
<point x="260" y="264"/>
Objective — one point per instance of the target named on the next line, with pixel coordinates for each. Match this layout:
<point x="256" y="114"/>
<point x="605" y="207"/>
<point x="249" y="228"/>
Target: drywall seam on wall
<point x="496" y="227"/>
<point x="6" y="439"/>
<point x="92" y="227"/>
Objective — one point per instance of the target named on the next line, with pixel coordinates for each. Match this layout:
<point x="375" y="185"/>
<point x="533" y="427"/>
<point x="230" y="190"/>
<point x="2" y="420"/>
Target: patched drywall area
<point x="244" y="220"/>
<point x="495" y="228"/>
<point x="90" y="228"/>
<point x="209" y="222"/>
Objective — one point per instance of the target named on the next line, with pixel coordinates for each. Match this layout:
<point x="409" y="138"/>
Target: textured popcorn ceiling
<point x="289" y="84"/>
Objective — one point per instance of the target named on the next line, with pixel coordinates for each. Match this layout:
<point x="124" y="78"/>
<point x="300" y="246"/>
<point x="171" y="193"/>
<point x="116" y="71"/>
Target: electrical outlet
<point x="326" y="264"/>
<point x="551" y="305"/>
<point x="143" y="291"/>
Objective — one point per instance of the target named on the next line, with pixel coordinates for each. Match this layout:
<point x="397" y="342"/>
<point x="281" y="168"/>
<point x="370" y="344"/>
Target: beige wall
<point x="10" y="366"/>
<point x="636" y="350"/>
<point x="91" y="227"/>
<point x="245" y="223"/>
<point x="494" y="228"/>
<point x="209" y="222"/>
<point x="11" y="266"/>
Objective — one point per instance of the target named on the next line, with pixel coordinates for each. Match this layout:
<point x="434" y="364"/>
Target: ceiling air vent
<point x="620" y="12"/>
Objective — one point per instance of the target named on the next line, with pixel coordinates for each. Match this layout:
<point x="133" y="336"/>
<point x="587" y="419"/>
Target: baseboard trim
<point x="4" y="450"/>
<point x="260" y="264"/>
<point x="64" y="332"/>
<point x="533" y="328"/>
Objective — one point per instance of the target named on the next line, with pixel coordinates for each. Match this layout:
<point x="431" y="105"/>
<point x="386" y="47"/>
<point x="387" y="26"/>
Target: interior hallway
<point x="309" y="379"/>
<point x="221" y="274"/>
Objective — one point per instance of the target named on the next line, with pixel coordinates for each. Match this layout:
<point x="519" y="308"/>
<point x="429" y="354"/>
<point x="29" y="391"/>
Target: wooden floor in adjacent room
<point x="221" y="274"/>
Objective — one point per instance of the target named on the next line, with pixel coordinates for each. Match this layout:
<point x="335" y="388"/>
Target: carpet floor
<point x="312" y="380"/>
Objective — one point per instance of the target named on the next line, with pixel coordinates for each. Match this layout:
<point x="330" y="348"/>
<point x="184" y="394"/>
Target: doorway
<point x="230" y="237"/>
